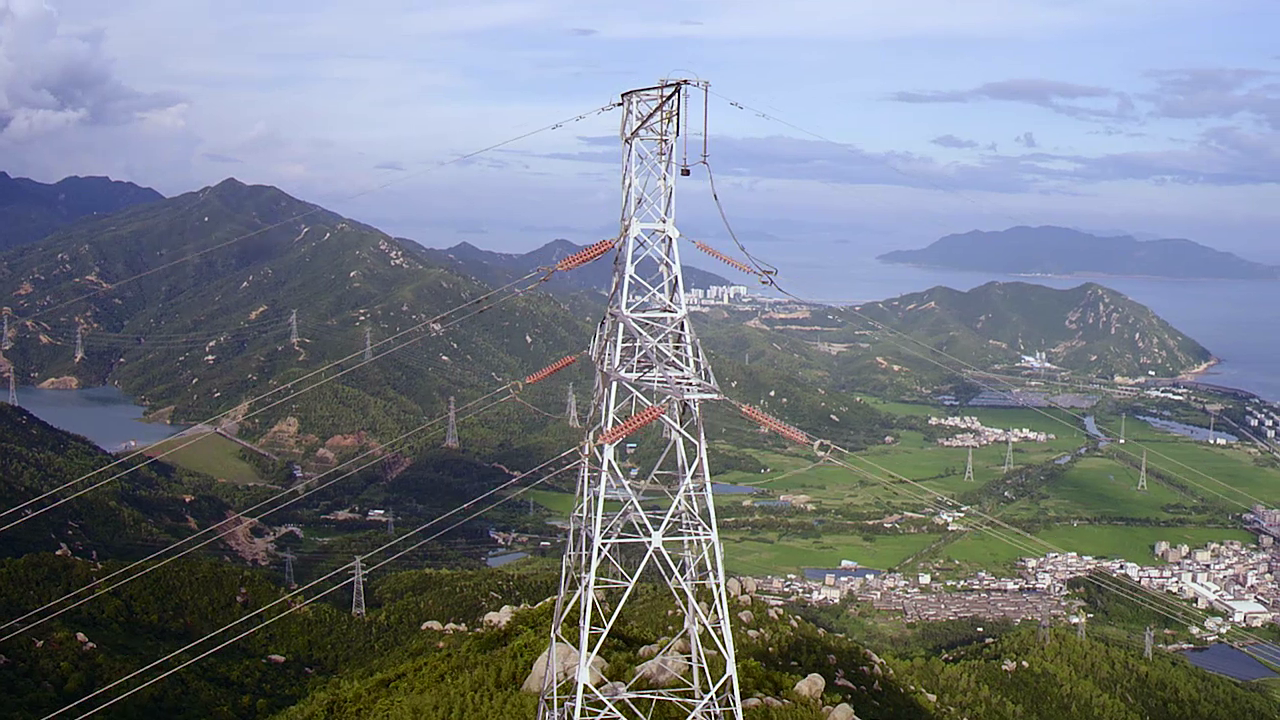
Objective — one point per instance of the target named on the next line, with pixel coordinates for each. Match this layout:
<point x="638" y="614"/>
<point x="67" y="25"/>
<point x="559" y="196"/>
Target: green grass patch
<point x="212" y="454"/>
<point x="765" y="554"/>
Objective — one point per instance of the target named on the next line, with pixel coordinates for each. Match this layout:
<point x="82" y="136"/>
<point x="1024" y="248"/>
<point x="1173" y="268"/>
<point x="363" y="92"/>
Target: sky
<point x="839" y="129"/>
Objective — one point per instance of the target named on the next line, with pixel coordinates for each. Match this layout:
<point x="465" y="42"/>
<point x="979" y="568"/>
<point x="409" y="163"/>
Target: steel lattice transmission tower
<point x="288" y="570"/>
<point x="659" y="527"/>
<point x="1142" y="475"/>
<point x="571" y="409"/>
<point x="1008" y="453"/>
<point x="293" y="328"/>
<point x="13" y="386"/>
<point x="451" y="432"/>
<point x="368" y="344"/>
<point x="5" y="342"/>
<point x="968" y="467"/>
<point x="79" y="344"/>
<point x="357" y="592"/>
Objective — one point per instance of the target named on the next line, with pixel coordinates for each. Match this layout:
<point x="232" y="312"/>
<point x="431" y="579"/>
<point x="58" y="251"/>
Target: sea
<point x="1237" y="320"/>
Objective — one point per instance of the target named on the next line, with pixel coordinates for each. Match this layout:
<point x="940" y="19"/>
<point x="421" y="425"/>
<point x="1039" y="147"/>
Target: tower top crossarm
<point x="659" y="351"/>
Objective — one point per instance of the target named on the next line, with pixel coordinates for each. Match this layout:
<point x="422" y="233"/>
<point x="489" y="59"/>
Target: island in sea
<point x="1049" y="250"/>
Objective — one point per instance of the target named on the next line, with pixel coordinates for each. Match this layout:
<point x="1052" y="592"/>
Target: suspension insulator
<point x="552" y="369"/>
<point x="587" y="254"/>
<point x="765" y="420"/>
<point x="731" y="262"/>
<point x="631" y="424"/>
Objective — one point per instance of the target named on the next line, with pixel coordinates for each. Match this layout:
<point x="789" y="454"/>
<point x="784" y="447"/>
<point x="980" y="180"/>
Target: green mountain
<point x="156" y="504"/>
<point x="195" y="338"/>
<point x="1089" y="330"/>
<point x="494" y="268"/>
<point x="30" y="210"/>
<point x="1049" y="250"/>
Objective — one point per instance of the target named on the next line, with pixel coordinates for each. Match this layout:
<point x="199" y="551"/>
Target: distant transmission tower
<point x="13" y="386"/>
<point x="1044" y="631"/>
<point x="357" y="593"/>
<point x="659" y="527"/>
<point x="1148" y="642"/>
<point x="79" y="344"/>
<point x="1008" y="453"/>
<point x="391" y="523"/>
<point x="1082" y="618"/>
<point x="451" y="434"/>
<point x="571" y="409"/>
<point x="288" y="570"/>
<point x="1142" y="476"/>
<point x="293" y="328"/>
<point x="368" y="344"/>
<point x="968" y="467"/>
<point x="5" y="342"/>
<point x="1122" y="417"/>
<point x="1212" y="417"/>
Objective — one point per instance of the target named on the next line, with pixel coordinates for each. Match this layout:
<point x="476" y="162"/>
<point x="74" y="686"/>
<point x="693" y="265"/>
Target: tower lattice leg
<point x="639" y="544"/>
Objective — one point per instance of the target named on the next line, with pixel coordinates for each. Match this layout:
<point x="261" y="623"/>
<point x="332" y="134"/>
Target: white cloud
<point x="51" y="79"/>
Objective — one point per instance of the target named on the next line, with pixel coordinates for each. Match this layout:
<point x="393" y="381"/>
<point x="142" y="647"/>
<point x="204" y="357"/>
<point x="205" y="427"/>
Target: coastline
<point x="1201" y="369"/>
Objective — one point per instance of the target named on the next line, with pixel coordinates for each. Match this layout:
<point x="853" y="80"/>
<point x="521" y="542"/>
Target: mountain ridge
<point x="497" y="268"/>
<point x="30" y="210"/>
<point x="1089" y="328"/>
<point x="1058" y="251"/>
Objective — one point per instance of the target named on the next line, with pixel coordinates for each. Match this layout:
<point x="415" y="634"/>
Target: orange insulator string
<point x="766" y="420"/>
<point x="552" y="369"/>
<point x="631" y="424"/>
<point x="731" y="262"/>
<point x="586" y="255"/>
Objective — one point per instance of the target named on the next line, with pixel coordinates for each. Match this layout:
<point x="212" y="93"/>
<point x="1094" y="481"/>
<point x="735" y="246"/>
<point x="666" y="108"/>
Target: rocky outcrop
<point x="662" y="670"/>
<point x="60" y="383"/>
<point x="565" y="665"/>
<point x="842" y="712"/>
<point x="811" y="686"/>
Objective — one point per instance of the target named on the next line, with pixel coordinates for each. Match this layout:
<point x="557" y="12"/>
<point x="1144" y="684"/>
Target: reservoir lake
<point x="103" y="414"/>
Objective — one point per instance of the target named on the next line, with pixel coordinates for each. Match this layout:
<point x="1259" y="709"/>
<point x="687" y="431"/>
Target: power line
<point x="771" y="280"/>
<point x="229" y="525"/>
<point x="316" y="208"/>
<point x="295" y="607"/>
<point x="432" y="324"/>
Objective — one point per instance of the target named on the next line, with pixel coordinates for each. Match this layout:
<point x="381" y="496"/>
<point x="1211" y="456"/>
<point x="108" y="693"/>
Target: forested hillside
<point x="197" y="337"/>
<point x="152" y="505"/>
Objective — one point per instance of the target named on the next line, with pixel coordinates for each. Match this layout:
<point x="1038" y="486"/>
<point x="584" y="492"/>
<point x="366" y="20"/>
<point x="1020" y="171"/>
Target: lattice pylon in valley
<point x="368" y="344"/>
<point x="293" y="328"/>
<point x="1142" y="474"/>
<point x="968" y="467"/>
<point x="451" y="432"/>
<point x="659" y="526"/>
<point x="571" y="409"/>
<point x="13" y="386"/>
<point x="357" y="590"/>
<point x="1008" y="453"/>
<point x="79" y="344"/>
<point x="5" y="342"/>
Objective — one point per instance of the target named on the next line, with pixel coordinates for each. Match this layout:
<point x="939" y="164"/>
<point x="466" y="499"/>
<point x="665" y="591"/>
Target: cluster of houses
<point x="978" y="435"/>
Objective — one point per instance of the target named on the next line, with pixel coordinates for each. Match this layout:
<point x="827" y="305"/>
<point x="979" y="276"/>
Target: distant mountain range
<point x="495" y="268"/>
<point x="1049" y="250"/>
<point x="30" y="210"/>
